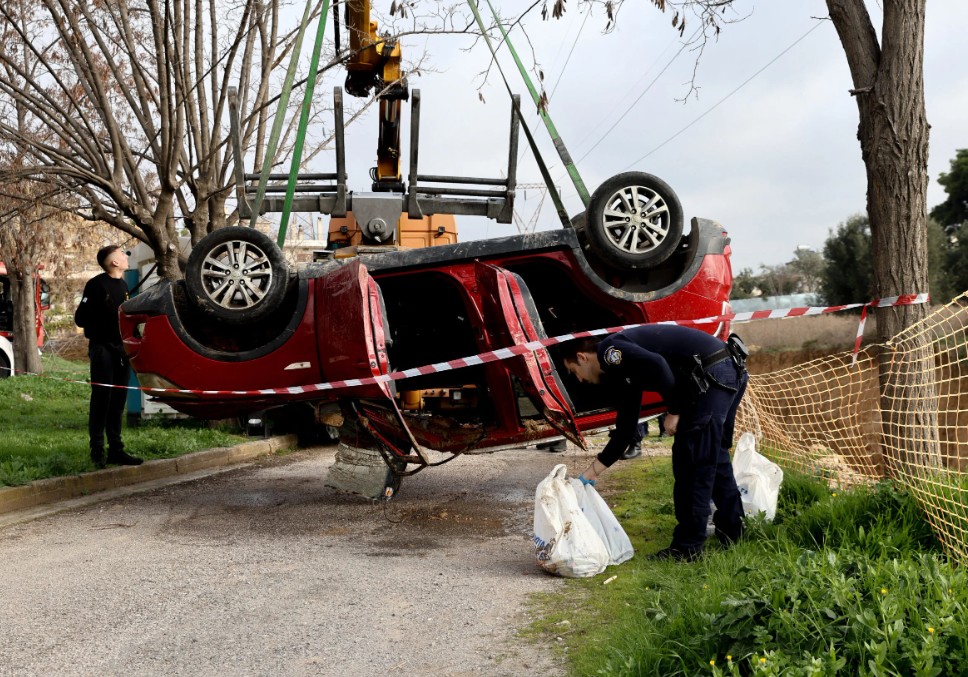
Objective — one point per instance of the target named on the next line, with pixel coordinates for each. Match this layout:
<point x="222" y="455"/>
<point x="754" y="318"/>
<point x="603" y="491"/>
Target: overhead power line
<point x="560" y="73"/>
<point x="639" y="97"/>
<point x="570" y="52"/>
<point x="716" y="105"/>
<point x="590" y="131"/>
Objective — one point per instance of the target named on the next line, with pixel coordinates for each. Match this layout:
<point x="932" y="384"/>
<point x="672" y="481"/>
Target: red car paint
<point x="398" y="310"/>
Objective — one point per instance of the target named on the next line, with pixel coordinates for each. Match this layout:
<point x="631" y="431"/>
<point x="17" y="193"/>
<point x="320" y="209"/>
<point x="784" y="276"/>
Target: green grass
<point x="847" y="583"/>
<point x="43" y="427"/>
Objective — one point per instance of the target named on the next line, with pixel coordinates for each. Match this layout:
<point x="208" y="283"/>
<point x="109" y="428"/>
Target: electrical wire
<point x="562" y="71"/>
<point x="545" y="174"/>
<point x="639" y="97"/>
<point x="716" y="105"/>
<point x="561" y="43"/>
<point x="568" y="58"/>
<point x="618" y="104"/>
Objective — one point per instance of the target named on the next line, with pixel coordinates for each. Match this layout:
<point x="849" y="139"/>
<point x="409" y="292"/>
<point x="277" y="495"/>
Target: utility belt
<point x="700" y="380"/>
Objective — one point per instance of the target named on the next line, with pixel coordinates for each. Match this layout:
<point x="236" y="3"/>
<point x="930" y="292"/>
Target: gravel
<point x="265" y="571"/>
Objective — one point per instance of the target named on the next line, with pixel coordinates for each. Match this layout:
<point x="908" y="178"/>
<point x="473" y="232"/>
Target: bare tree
<point x="135" y="95"/>
<point x="887" y="75"/>
<point x="27" y="234"/>
<point x="132" y="97"/>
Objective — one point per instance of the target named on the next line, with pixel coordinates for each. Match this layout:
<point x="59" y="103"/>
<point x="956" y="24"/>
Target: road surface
<point x="262" y="570"/>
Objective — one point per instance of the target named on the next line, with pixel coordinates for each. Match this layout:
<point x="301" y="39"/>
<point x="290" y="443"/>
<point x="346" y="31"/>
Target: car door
<point x="351" y="336"/>
<point x="511" y="318"/>
<point x="352" y="339"/>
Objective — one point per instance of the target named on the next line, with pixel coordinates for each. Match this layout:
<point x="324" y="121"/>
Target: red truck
<point x="41" y="303"/>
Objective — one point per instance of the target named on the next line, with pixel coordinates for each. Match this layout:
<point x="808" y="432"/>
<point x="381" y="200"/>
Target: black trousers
<point x="109" y="364"/>
<point x="701" y="464"/>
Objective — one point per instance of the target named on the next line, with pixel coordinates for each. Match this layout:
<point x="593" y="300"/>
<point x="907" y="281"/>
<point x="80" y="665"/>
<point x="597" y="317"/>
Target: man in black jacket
<point x="98" y="315"/>
<point x="701" y="380"/>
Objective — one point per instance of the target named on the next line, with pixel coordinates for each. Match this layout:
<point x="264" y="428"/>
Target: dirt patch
<point x="764" y="362"/>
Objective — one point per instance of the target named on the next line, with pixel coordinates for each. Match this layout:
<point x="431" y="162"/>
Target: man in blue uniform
<point x="701" y="380"/>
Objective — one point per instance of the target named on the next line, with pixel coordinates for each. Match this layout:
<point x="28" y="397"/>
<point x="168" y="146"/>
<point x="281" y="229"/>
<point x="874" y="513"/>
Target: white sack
<point x="604" y="522"/>
<point x="565" y="542"/>
<point x="757" y="477"/>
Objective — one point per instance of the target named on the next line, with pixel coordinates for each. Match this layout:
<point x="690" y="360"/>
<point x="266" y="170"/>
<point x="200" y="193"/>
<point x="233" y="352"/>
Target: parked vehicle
<point x="41" y="303"/>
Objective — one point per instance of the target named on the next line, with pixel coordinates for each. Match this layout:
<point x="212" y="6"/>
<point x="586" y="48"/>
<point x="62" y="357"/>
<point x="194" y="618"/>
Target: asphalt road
<point x="263" y="570"/>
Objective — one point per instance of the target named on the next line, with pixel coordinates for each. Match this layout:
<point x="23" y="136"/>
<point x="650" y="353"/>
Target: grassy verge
<point x="848" y="583"/>
<point x="43" y="427"/>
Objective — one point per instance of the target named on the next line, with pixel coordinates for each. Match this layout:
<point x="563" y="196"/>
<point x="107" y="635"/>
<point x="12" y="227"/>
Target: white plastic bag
<point x="757" y="477"/>
<point x="604" y="522"/>
<point x="565" y="542"/>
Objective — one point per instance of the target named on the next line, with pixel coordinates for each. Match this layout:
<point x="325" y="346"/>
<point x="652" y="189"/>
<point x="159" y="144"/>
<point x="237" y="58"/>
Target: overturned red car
<point x="244" y="332"/>
<point x="367" y="315"/>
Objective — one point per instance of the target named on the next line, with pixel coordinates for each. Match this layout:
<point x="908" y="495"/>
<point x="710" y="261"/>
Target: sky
<point x="775" y="160"/>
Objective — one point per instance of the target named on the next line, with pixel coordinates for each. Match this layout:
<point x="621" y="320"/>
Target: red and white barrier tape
<point x="883" y="303"/>
<point x="531" y="346"/>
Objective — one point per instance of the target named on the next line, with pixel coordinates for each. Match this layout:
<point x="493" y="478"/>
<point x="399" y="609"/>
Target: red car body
<point x="364" y="317"/>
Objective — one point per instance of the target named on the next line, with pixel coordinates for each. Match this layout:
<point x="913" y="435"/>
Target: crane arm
<point x="374" y="62"/>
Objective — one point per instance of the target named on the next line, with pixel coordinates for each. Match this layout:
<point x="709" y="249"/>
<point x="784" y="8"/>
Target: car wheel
<point x="634" y="220"/>
<point x="4" y="366"/>
<point x="237" y="274"/>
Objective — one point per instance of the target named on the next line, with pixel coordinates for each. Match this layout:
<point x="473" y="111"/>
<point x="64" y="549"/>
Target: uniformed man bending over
<point x="701" y="379"/>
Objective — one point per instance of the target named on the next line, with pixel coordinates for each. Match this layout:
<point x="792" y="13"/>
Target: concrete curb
<point x="56" y="489"/>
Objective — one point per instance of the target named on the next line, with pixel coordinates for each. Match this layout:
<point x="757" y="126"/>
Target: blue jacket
<point x="652" y="358"/>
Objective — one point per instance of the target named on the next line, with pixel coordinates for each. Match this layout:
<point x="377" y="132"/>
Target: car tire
<point x="4" y="366"/>
<point x="634" y="221"/>
<point x="237" y="275"/>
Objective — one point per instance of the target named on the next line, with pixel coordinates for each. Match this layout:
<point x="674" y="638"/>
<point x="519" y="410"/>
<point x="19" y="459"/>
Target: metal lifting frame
<point x="327" y="193"/>
<point x="330" y="198"/>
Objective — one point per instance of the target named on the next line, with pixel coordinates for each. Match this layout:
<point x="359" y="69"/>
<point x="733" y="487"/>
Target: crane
<point x="394" y="202"/>
<point x="374" y="63"/>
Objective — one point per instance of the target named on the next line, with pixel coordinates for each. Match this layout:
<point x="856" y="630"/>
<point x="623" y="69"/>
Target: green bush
<point x="843" y="582"/>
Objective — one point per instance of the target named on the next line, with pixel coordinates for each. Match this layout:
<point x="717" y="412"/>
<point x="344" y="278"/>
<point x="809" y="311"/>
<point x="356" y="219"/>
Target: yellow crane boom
<point x="374" y="62"/>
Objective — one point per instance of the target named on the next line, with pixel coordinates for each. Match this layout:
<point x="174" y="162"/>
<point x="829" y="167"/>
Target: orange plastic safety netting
<point x="829" y="418"/>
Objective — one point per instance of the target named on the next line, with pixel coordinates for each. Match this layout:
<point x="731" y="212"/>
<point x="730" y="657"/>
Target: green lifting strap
<point x="543" y="112"/>
<point x="280" y="115"/>
<point x="545" y="174"/>
<point x="303" y="123"/>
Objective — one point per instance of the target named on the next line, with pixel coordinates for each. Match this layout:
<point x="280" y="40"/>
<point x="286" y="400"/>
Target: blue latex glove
<point x="586" y="481"/>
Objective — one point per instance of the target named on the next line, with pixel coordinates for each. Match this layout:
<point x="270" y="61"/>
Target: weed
<point x="882" y="521"/>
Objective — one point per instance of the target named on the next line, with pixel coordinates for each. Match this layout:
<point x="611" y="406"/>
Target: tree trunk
<point x="165" y="238"/>
<point x="25" y="354"/>
<point x="896" y="152"/>
<point x="893" y="133"/>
